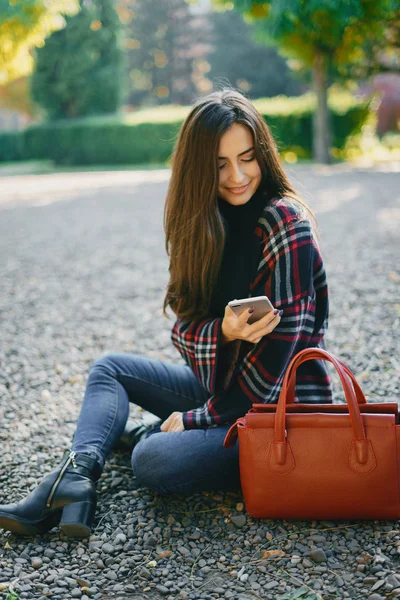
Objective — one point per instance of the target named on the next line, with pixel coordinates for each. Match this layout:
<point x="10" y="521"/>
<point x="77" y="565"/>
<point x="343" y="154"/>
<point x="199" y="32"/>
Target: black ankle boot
<point x="136" y="429"/>
<point x="66" y="496"/>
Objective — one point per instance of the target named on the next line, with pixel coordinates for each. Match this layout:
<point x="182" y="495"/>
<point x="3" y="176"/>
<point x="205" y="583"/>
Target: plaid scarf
<point x="236" y="375"/>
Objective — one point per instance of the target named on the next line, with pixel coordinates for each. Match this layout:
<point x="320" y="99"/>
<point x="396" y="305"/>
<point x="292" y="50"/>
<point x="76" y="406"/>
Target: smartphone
<point x="262" y="306"/>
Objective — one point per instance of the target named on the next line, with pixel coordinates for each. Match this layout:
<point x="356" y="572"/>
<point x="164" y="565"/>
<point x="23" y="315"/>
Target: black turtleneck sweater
<point x="241" y="251"/>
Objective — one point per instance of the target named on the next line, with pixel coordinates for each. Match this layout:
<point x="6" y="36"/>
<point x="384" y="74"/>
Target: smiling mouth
<point x="239" y="189"/>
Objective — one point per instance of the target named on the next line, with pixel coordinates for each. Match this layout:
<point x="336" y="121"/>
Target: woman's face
<point x="239" y="172"/>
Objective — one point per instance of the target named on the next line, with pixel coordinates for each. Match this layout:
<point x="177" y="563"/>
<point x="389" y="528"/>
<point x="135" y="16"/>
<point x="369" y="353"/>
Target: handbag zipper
<point x="71" y="458"/>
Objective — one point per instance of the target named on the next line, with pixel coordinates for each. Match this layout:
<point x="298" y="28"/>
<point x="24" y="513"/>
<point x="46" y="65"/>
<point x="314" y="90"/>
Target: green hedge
<point x="11" y="146"/>
<point x="149" y="136"/>
<point x="111" y="143"/>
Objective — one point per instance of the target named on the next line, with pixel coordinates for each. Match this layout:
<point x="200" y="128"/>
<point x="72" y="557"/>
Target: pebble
<point x="145" y="573"/>
<point x="107" y="548"/>
<point x="37" y="563"/>
<point x="378" y="585"/>
<point x="116" y="482"/>
<point x="318" y="555"/>
<point x="120" y="538"/>
<point x="111" y="575"/>
<point x="162" y="589"/>
<point x="239" y="520"/>
<point x="271" y="585"/>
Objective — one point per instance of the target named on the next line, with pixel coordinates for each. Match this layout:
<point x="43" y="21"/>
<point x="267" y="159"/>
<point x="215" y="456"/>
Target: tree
<point x="23" y="25"/>
<point x="79" y="70"/>
<point x="250" y="66"/>
<point x="379" y="54"/>
<point x="166" y="48"/>
<point x="321" y="35"/>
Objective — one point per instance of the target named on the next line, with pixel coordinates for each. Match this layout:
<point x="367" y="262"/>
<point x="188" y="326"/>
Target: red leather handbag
<point x="319" y="461"/>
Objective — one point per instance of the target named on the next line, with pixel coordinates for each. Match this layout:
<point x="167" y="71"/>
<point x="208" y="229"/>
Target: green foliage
<point x="24" y="24"/>
<point x="82" y="142"/>
<point x="334" y="28"/>
<point x="79" y="70"/>
<point x="249" y="66"/>
<point x="292" y="126"/>
<point x="25" y="11"/>
<point x="11" y="146"/>
<point x="149" y="136"/>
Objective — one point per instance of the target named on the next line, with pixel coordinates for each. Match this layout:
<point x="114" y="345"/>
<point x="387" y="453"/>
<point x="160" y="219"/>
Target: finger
<point x="228" y="309"/>
<point x="268" y="320"/>
<point x="270" y="327"/>
<point x="245" y="315"/>
<point x="258" y="335"/>
<point x="175" y="421"/>
<point x="268" y="317"/>
<point x="229" y="313"/>
<point x="165" y="425"/>
<point x="258" y="325"/>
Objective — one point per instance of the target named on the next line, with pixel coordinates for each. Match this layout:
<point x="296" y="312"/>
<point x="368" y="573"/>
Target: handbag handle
<point x="280" y="439"/>
<point x="356" y="386"/>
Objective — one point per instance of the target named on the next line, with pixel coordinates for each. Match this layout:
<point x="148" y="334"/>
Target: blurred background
<point x="87" y="83"/>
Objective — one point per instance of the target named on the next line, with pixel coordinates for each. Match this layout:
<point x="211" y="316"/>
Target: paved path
<point x="83" y="272"/>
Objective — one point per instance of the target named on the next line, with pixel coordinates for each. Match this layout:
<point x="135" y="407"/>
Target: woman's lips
<point x="240" y="190"/>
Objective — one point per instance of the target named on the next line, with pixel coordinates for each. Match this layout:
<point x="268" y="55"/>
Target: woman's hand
<point x="236" y="327"/>
<point x="173" y="423"/>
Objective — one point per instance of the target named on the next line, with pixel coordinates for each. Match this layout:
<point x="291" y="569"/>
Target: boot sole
<point x="76" y="530"/>
<point x="25" y="527"/>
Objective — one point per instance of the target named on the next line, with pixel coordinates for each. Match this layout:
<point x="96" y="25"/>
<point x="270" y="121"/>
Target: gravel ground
<point x="83" y="272"/>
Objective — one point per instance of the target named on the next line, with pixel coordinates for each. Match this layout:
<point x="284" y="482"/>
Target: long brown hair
<point x="194" y="230"/>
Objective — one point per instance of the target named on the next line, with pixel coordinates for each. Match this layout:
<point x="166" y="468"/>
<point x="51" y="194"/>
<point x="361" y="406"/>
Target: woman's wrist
<point x="225" y="339"/>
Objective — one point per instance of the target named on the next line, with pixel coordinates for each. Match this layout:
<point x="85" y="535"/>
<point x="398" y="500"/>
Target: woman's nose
<point x="235" y="175"/>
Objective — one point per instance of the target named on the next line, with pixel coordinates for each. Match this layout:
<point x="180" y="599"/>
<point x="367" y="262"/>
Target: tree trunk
<point x="322" y="133"/>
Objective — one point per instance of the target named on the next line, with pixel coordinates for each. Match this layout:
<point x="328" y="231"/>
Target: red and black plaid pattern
<point x="198" y="343"/>
<point x="291" y="273"/>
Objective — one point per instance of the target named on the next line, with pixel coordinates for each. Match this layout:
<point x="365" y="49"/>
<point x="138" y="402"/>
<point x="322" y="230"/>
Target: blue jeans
<point x="180" y="462"/>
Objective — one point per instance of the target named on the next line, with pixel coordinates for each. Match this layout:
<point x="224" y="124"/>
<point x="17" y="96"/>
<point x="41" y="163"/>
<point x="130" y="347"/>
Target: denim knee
<point x="104" y="363"/>
<point x="167" y="465"/>
<point x="149" y="464"/>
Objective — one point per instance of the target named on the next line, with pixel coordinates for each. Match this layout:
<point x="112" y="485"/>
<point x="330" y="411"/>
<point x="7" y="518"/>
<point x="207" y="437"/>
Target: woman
<point x="235" y="228"/>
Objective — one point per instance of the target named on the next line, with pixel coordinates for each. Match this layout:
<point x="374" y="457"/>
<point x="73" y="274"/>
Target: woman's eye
<point x="244" y="160"/>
